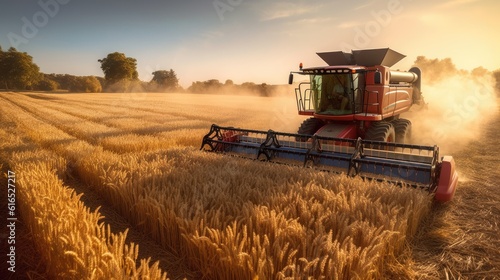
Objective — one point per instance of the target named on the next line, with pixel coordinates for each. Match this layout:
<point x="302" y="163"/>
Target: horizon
<point x="245" y="41"/>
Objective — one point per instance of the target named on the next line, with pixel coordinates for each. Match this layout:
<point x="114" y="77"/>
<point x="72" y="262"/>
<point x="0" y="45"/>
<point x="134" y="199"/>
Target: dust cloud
<point x="458" y="104"/>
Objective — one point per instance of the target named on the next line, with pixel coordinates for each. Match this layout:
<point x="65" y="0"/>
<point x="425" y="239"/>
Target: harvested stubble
<point x="229" y="217"/>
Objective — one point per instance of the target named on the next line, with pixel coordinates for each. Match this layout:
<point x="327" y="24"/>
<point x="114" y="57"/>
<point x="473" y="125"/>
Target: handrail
<point x="303" y="97"/>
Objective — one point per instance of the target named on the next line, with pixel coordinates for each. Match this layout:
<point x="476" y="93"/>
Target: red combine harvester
<point x="354" y="105"/>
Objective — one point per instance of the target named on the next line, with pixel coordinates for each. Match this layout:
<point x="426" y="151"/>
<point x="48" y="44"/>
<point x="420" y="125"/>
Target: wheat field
<point x="222" y="217"/>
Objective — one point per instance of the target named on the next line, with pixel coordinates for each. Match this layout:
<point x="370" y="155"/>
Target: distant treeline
<point x="19" y="72"/>
<point x="54" y="82"/>
<point x="213" y="86"/>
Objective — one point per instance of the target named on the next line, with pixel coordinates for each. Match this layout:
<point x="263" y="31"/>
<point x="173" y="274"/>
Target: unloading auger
<point x="354" y="125"/>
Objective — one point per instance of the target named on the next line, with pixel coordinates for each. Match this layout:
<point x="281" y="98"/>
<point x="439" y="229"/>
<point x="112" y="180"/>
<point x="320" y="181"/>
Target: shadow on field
<point x="41" y="96"/>
<point x="168" y="261"/>
<point x="28" y="263"/>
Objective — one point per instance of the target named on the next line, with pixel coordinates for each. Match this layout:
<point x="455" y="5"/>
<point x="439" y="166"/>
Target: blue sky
<point x="244" y="40"/>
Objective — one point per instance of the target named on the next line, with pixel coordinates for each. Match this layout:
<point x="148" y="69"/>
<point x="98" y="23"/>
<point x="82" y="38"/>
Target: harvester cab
<point x="354" y="126"/>
<point x="357" y="87"/>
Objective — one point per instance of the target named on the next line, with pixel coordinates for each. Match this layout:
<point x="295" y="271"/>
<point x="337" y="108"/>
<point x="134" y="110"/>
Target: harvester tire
<point x="309" y="126"/>
<point x="402" y="128"/>
<point x="381" y="131"/>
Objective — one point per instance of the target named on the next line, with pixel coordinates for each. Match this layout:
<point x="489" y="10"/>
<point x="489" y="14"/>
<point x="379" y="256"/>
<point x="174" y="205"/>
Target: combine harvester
<point x="354" y="105"/>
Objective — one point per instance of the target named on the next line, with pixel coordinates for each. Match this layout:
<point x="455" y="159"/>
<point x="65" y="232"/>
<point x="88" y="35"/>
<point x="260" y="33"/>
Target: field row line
<point x="71" y="239"/>
<point x="100" y="112"/>
<point x="223" y="115"/>
<point x="69" y="124"/>
<point x="129" y="104"/>
<point x="98" y="134"/>
<point x="135" y="124"/>
<point x="80" y="153"/>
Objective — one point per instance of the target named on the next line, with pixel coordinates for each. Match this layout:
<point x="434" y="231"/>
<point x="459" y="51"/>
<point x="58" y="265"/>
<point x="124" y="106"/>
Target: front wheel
<point x="309" y="127"/>
<point x="381" y="131"/>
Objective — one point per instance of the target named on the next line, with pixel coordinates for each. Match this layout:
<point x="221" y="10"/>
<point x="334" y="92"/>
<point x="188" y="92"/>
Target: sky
<point x="245" y="40"/>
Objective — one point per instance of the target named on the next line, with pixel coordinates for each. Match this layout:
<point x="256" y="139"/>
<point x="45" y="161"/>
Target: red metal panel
<point x="447" y="180"/>
<point x="338" y="130"/>
<point x="306" y="113"/>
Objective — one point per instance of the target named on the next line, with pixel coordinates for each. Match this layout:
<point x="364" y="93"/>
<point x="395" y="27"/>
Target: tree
<point x="264" y="89"/>
<point x="91" y="84"/>
<point x="496" y="75"/>
<point x="47" y="85"/>
<point x="209" y="86"/>
<point x="164" y="80"/>
<point x="84" y="84"/>
<point x="17" y="70"/>
<point x="213" y="84"/>
<point x="119" y="68"/>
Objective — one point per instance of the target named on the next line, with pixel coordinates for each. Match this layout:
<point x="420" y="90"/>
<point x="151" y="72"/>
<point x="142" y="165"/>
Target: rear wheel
<point x="309" y="126"/>
<point x="402" y="128"/>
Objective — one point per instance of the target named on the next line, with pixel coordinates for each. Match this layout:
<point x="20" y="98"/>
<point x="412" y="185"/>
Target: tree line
<point x="214" y="86"/>
<point x="19" y="72"/>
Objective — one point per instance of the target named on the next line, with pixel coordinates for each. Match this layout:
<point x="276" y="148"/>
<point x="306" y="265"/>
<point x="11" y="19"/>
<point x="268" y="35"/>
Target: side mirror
<point x="290" y="79"/>
<point x="378" y="78"/>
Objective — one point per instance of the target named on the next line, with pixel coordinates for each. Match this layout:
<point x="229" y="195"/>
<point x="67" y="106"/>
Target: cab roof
<point x="337" y="69"/>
